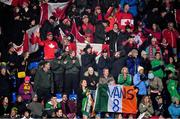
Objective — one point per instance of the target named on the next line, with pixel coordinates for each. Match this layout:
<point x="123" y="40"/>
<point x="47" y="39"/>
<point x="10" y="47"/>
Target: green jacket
<point x="172" y="86"/>
<point x="155" y="85"/>
<point x="157" y="68"/>
<point x="57" y="66"/>
<point x="171" y="67"/>
<point x="70" y="67"/>
<point x="43" y="80"/>
<point x="125" y="82"/>
<point x="148" y="110"/>
<point x="49" y="105"/>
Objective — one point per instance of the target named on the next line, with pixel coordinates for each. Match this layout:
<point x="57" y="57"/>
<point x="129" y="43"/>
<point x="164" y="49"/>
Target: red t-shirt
<point x="50" y="47"/>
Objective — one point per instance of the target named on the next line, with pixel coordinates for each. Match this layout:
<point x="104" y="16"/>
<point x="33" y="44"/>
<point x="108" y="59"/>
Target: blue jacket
<point x="141" y="85"/>
<point x="174" y="111"/>
<point x="132" y="65"/>
<point x="132" y="5"/>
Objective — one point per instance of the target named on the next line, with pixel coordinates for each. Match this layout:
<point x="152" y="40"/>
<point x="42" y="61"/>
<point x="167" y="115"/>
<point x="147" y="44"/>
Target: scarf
<point x="27" y="87"/>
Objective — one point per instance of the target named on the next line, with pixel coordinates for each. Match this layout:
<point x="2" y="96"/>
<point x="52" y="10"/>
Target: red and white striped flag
<point x="53" y="9"/>
<point x="28" y="44"/>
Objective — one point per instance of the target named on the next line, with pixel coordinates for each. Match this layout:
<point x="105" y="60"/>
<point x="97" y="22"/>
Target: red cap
<point x="49" y="33"/>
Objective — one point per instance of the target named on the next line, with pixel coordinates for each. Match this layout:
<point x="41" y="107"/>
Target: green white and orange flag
<point x="118" y="98"/>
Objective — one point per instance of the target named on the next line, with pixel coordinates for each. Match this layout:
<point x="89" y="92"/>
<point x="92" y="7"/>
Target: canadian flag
<point x="125" y="22"/>
<point x="78" y="36"/>
<point x="28" y="44"/>
<point x="96" y="48"/>
<point x="62" y="34"/>
<point x="14" y="2"/>
<point x="53" y="9"/>
<point x="7" y="2"/>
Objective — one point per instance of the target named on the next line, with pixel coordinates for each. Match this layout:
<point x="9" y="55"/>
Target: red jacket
<point x="125" y="19"/>
<point x="171" y="37"/>
<point x="50" y="47"/>
<point x="156" y="34"/>
<point x="88" y="29"/>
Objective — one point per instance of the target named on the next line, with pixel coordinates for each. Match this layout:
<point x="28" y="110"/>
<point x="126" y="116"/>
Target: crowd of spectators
<point x="143" y="52"/>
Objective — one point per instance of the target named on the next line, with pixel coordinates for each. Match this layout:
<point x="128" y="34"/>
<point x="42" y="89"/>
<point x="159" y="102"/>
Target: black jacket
<point x="21" y="106"/>
<point x="57" y="66"/>
<point x="115" y="41"/>
<point x="118" y="64"/>
<point x="146" y="64"/>
<point x="5" y="85"/>
<point x="99" y="35"/>
<point x="5" y="111"/>
<point x="92" y="80"/>
<point x="88" y="60"/>
<point x="103" y="63"/>
<point x="71" y="68"/>
<point x="43" y="80"/>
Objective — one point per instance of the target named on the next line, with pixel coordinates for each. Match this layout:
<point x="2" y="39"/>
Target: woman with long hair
<point x="146" y="108"/>
<point x="84" y="100"/>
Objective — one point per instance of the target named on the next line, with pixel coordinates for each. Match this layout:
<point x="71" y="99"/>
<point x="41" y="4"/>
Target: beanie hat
<point x="49" y="34"/>
<point x="27" y="78"/>
<point x="150" y="75"/>
<point x="143" y="53"/>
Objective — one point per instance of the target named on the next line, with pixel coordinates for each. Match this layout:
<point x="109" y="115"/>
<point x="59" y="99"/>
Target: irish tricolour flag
<point x="115" y="98"/>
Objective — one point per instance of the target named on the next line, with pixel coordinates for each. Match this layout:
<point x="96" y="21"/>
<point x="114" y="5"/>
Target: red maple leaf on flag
<point x="128" y="22"/>
<point x="58" y="13"/>
<point x="18" y="49"/>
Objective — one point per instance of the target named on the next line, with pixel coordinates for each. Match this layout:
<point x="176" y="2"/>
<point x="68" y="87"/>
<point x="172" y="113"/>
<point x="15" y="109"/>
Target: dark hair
<point x="116" y="24"/>
<point x="172" y="58"/>
<point x="157" y="53"/>
<point x="81" y="82"/>
<point x="64" y="94"/>
<point x="53" y="18"/>
<point x="106" y="69"/>
<point x="125" y="4"/>
<point x="56" y="110"/>
<point x="44" y="63"/>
